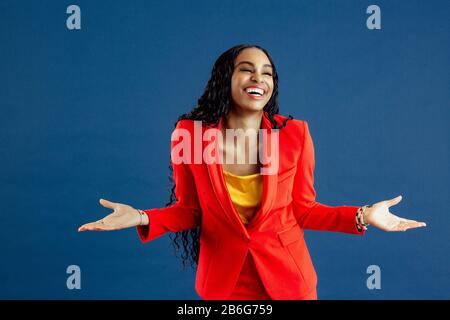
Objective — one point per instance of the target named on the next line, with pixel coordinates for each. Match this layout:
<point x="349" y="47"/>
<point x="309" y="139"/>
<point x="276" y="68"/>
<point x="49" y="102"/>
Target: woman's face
<point x="252" y="80"/>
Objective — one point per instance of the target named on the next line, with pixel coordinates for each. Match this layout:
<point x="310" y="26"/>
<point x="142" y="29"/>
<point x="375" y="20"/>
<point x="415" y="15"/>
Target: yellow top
<point x="245" y="193"/>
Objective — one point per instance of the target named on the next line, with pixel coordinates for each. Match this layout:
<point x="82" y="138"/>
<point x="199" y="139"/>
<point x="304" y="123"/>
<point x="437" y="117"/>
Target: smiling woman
<point x="243" y="229"/>
<point x="252" y="79"/>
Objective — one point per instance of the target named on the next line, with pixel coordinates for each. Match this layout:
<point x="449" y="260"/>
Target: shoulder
<point x="183" y="124"/>
<point x="190" y="124"/>
<point x="187" y="124"/>
<point x="294" y="124"/>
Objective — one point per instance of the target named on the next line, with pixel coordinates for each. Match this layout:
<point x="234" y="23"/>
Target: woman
<point x="243" y="221"/>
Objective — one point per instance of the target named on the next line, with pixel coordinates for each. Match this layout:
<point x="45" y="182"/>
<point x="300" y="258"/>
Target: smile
<point x="255" y="93"/>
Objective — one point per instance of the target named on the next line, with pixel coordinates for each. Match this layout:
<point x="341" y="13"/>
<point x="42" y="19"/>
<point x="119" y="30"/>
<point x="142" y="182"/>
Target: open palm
<point x="123" y="216"/>
<point x="379" y="216"/>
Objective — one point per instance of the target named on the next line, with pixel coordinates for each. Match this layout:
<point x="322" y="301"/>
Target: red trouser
<point x="250" y="287"/>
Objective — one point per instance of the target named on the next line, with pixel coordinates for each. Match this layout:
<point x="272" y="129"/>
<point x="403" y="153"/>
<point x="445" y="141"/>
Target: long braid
<point x="211" y="106"/>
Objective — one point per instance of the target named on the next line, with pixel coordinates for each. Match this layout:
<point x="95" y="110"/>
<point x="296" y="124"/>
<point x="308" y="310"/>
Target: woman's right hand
<point x="124" y="216"/>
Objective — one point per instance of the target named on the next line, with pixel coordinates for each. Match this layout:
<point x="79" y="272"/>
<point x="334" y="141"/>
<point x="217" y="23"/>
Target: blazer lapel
<point x="270" y="181"/>
<point x="217" y="179"/>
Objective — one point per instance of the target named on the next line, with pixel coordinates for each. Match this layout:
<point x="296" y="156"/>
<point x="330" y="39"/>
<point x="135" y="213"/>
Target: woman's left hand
<point x="379" y="216"/>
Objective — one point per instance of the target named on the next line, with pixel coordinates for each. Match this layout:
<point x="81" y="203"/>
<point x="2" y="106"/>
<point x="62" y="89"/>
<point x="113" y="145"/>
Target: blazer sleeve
<point x="184" y="214"/>
<point x="309" y="213"/>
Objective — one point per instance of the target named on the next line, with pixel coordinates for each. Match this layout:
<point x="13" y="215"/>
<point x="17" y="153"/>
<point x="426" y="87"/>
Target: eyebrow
<point x="248" y="62"/>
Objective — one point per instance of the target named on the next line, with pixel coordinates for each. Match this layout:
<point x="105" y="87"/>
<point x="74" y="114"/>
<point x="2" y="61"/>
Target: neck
<point x="238" y="119"/>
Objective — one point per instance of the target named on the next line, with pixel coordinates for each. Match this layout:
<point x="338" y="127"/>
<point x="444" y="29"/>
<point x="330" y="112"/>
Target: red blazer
<point x="274" y="236"/>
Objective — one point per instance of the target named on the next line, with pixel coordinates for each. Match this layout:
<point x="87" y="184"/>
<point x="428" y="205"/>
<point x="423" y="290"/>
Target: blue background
<point x="88" y="114"/>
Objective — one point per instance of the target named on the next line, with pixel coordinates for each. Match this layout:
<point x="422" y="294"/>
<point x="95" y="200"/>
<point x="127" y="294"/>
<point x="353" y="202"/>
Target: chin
<point x="251" y="109"/>
<point x="259" y="106"/>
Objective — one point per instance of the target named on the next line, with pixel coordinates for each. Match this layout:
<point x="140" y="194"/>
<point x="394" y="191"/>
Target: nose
<point x="256" y="77"/>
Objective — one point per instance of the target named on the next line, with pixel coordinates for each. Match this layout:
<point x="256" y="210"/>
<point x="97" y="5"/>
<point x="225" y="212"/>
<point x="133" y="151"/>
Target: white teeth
<point x="255" y="90"/>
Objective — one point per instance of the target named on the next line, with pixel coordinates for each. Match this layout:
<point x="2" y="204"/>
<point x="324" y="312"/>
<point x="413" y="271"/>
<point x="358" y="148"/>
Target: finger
<point x="410" y="224"/>
<point x="93" y="226"/>
<point x="394" y="201"/>
<point x="416" y="224"/>
<point x="107" y="204"/>
<point x="408" y="221"/>
<point x="84" y="226"/>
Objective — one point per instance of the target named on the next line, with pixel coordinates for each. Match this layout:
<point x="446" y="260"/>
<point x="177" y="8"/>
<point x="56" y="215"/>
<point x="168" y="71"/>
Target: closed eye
<point x="247" y="70"/>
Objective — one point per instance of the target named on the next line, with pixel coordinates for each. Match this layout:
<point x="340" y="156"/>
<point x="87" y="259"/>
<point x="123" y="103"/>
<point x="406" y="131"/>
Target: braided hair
<point x="211" y="106"/>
